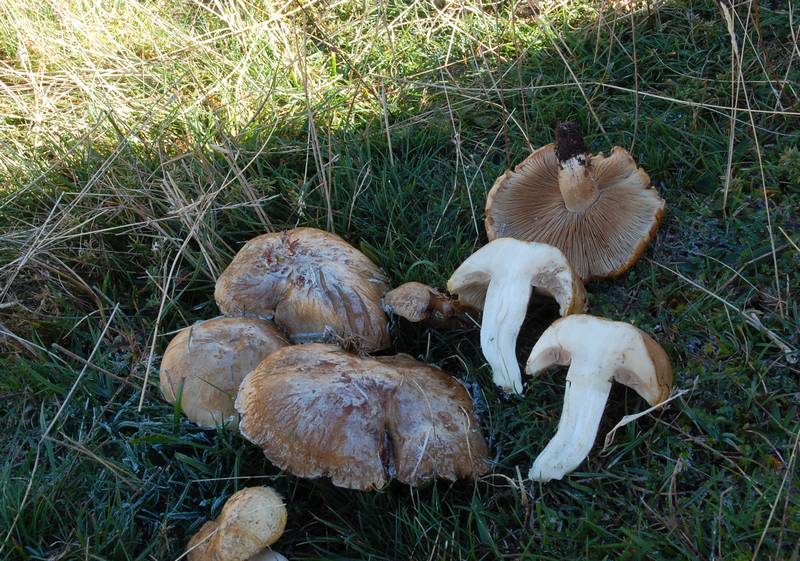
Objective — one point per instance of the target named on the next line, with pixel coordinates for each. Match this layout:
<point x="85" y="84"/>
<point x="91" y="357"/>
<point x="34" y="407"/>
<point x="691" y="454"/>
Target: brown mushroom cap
<point x="251" y="520"/>
<point x="413" y="301"/>
<point x="419" y="302"/>
<point x="604" y="240"/>
<point x="319" y="411"/>
<point x="210" y="360"/>
<point x="314" y="283"/>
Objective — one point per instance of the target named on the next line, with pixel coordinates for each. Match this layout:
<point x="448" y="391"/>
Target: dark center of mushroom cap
<point x="569" y="141"/>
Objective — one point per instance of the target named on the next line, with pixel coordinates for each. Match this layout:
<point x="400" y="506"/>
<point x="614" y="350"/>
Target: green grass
<point x="143" y="142"/>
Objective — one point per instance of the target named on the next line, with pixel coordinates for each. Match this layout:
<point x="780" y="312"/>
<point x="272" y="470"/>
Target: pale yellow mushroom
<point x="251" y="520"/>
<point x="205" y="363"/>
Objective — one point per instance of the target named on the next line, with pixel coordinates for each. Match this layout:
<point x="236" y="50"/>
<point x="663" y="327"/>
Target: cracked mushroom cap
<point x="599" y="210"/>
<point x="314" y="284"/>
<point x="318" y="411"/>
<point x="251" y="520"/>
<point x="206" y="362"/>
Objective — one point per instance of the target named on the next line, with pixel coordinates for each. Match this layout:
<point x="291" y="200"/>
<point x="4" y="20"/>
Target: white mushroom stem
<point x="599" y="352"/>
<point x="584" y="401"/>
<point x="503" y="314"/>
<point x="578" y="187"/>
<point x="499" y="278"/>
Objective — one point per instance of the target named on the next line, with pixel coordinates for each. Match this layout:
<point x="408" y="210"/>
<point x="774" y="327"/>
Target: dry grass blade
<point x="749" y="317"/>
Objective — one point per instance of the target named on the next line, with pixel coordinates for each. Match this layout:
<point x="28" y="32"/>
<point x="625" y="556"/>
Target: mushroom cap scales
<point x="314" y="284"/>
<point x="318" y="411"/>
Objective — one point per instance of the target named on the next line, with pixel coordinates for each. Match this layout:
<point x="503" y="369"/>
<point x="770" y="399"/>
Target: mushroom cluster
<point x="288" y="365"/>
<point x="595" y="215"/>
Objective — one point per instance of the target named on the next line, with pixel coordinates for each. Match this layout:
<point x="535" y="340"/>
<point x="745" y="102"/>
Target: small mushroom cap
<point x="629" y="355"/>
<point x="550" y="270"/>
<point x="412" y="301"/>
<point x="417" y="302"/>
<point x="315" y="284"/>
<point x="251" y="520"/>
<point x="318" y="411"/>
<point x="603" y="241"/>
<point x="210" y="359"/>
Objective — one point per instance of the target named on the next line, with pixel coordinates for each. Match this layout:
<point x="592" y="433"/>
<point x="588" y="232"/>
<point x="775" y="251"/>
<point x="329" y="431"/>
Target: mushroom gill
<point x="599" y="210"/>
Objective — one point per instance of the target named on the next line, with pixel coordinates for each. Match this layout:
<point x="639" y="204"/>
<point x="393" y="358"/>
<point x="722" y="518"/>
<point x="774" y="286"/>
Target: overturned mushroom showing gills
<point x="499" y="278"/>
<point x="418" y="302"/>
<point x="597" y="351"/>
<point x="599" y="210"/>
<point x="318" y="411"/>
<point x="316" y="285"/>
<point x="205" y="363"/>
<point x="251" y="520"/>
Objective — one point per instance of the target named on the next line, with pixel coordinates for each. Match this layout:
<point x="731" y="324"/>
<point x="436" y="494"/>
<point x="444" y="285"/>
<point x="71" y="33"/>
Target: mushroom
<point x="314" y="284"/>
<point x="268" y="555"/>
<point x="499" y="278"/>
<point x="598" y="210"/>
<point x="597" y="351"/>
<point x="418" y="302"/>
<point x="317" y="411"/>
<point x="251" y="520"/>
<point x="205" y="363"/>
